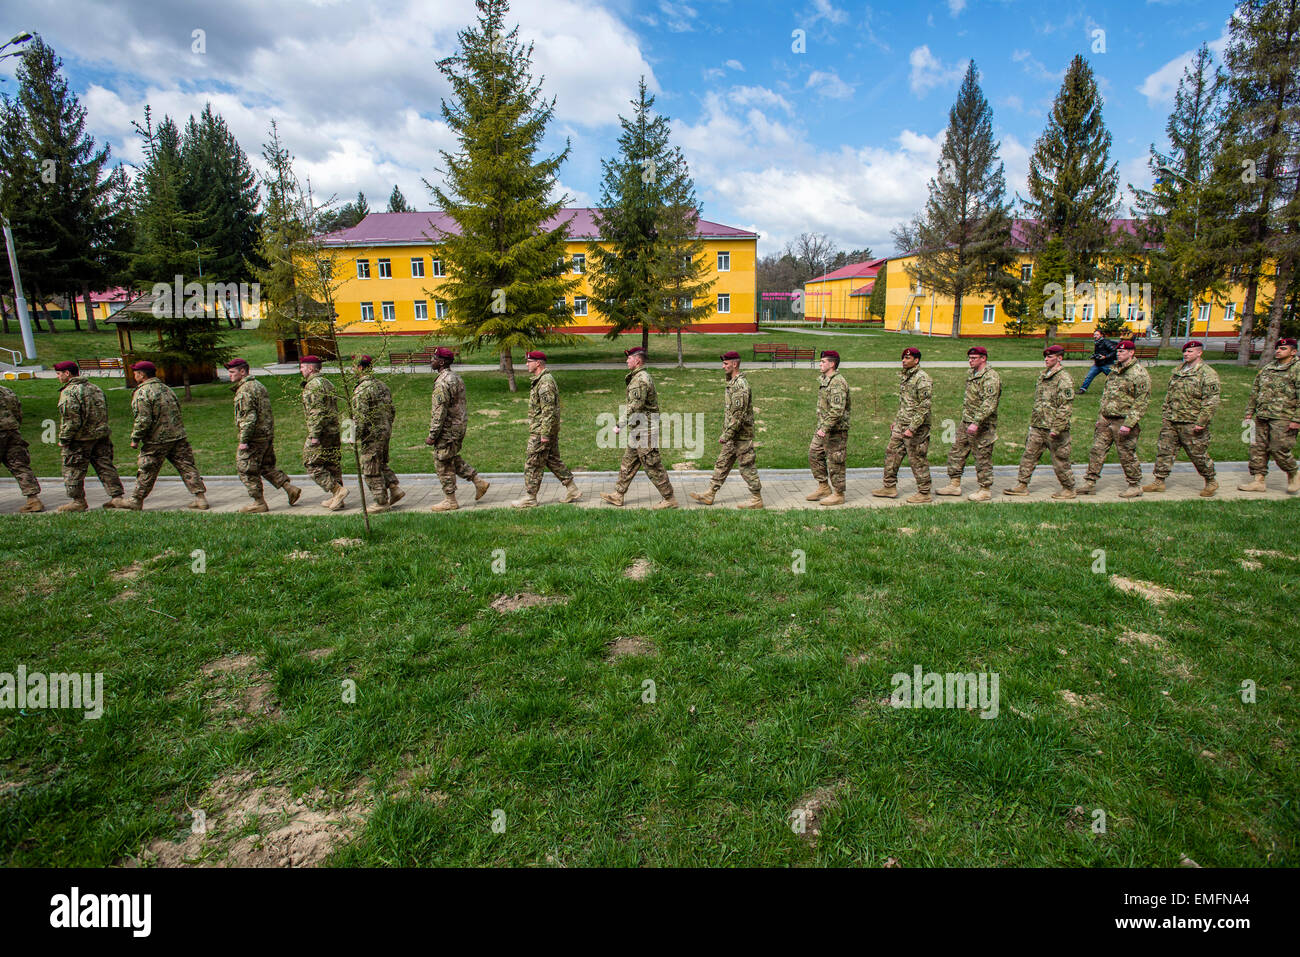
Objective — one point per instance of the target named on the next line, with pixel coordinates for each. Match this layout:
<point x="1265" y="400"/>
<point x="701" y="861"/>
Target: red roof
<point x="408" y="228"/>
<point x="1020" y="232"/>
<point x="119" y="294"/>
<point x="864" y="290"/>
<point x="862" y="270"/>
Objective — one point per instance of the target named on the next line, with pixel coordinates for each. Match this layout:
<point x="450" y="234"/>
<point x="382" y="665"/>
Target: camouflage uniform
<point x="737" y="440"/>
<point x="1053" y="403"/>
<point x="159" y="436"/>
<point x="447" y="423"/>
<point x="914" y="394"/>
<point x="255" y="423"/>
<point x="643" y="436"/>
<point x="543" y="423"/>
<point x="1124" y="401"/>
<point x="827" y="454"/>
<point x="323" y="462"/>
<point x="84" y="436"/>
<point x="1274" y="404"/>
<point x="13" y="447"/>
<point x="1192" y="398"/>
<point x="373" y="404"/>
<point x="979" y="407"/>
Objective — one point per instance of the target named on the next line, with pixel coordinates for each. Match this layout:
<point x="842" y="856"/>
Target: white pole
<point x="24" y="321"/>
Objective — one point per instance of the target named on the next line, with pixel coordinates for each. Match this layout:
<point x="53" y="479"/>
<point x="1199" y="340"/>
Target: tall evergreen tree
<point x="284" y="228"/>
<point x="165" y="231"/>
<point x="963" y="239"/>
<point x="218" y="185"/>
<point x="879" y="292"/>
<point x="397" y="202"/>
<point x="20" y="203"/>
<point x="505" y="266"/>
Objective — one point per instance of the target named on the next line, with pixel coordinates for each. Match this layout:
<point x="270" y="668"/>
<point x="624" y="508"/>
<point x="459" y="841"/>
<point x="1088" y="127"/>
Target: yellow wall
<point x="831" y="299"/>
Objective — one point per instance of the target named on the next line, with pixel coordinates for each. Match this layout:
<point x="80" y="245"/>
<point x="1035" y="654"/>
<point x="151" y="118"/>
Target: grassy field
<point x="784" y="400"/>
<point x="224" y="690"/>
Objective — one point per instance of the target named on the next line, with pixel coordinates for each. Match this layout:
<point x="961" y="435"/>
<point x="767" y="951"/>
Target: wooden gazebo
<point x="138" y="318"/>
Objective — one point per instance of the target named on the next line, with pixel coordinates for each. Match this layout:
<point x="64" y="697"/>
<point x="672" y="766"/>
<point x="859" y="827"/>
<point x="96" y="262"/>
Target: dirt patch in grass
<point x="240" y="701"/>
<point x="904" y="530"/>
<point x="1142" y="638"/>
<point x="627" y="647"/>
<point x="806" y="816"/>
<point x="508" y="603"/>
<point x="346" y="542"/>
<point x="299" y="554"/>
<point x="638" y="570"/>
<point x="1156" y="594"/>
<point x="125" y="595"/>
<point x="1249" y="565"/>
<point x="226" y="665"/>
<point x="315" y="654"/>
<point x="129" y="573"/>
<point x="1082" y="701"/>
<point x="1269" y="553"/>
<point x="595" y="392"/>
<point x="490" y="412"/>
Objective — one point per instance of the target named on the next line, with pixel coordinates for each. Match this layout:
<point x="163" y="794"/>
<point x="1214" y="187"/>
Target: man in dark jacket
<point x="1103" y="357"/>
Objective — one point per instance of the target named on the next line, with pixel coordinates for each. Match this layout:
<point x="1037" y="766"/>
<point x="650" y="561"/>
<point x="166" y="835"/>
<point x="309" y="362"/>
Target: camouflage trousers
<point x="981" y="446"/>
<point x="642" y="454"/>
<point x="1038" y="440"/>
<point x="917" y="449"/>
<point x="1108" y="434"/>
<point x="80" y="454"/>
<point x="149" y="462"/>
<point x="324" y="462"/>
<point x="257" y="462"/>
<point x="738" y="453"/>
<point x="13" y="453"/>
<point x="541" y="456"/>
<point x="374" y="466"/>
<point x="1176" y="435"/>
<point x="449" y="464"/>
<point x="1272" y="440"/>
<point x="826" y="457"/>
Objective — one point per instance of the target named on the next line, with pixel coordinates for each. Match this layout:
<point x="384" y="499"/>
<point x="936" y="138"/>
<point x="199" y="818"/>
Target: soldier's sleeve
<point x="1210" y="398"/>
<point x="548" y="395"/>
<point x="924" y="395"/>
<point x="245" y="416"/>
<point x="15" y="406"/>
<point x="69" y="415"/>
<point x="1141" y="399"/>
<point x="837" y="398"/>
<point x="311" y="398"/>
<point x="438" y="413"/>
<point x="731" y="414"/>
<point x="636" y="395"/>
<point x="989" y="394"/>
<point x="363" y="412"/>
<point x="145" y="415"/>
<point x="1064" y="404"/>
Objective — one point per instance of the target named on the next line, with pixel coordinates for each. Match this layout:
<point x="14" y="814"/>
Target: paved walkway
<point x="782" y="489"/>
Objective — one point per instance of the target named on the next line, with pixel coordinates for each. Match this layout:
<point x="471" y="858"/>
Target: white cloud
<point x="1034" y="67"/>
<point x="929" y="72"/>
<point x="828" y="83"/>
<point x="678" y="17"/>
<point x="825" y="10"/>
<point x="956" y="6"/>
<point x="758" y="96"/>
<point x="735" y="65"/>
<point x="1159" y="87"/>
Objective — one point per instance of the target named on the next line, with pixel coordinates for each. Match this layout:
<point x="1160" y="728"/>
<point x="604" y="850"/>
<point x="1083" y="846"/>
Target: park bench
<point x="794" y="355"/>
<point x="109" y="366"/>
<point x="412" y="359"/>
<point x="1147" y="354"/>
<point x="768" y="349"/>
<point x="1080" y="349"/>
<point x="1232" y="350"/>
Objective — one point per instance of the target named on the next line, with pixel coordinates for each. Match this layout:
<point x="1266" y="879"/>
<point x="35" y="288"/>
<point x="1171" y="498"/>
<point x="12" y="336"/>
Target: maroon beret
<point x="830" y="354"/>
<point x="1054" y="351"/>
<point x="236" y="363"/>
<point x="67" y="365"/>
<point x="634" y="351"/>
<point x="1288" y="341"/>
<point x="911" y="351"/>
<point x="364" y="360"/>
<point x="977" y="351"/>
<point x="1194" y="342"/>
<point x="536" y="355"/>
<point x="443" y="352"/>
<point x="144" y="365"/>
<point x="730" y="355"/>
<point x="311" y="360"/>
<point x="1128" y="344"/>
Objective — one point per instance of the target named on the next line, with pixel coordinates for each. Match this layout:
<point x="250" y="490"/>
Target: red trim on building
<point x="591" y="330"/>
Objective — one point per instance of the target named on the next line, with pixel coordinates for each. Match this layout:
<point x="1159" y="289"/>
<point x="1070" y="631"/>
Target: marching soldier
<point x="255" y="422"/>
<point x="737" y="439"/>
<point x="643" y="435"/>
<point x="829" y="447"/>
<point x="84" y="438"/>
<point x="1274" y="407"/>
<point x="322" y="455"/>
<point x="910" y="432"/>
<point x="159" y="435"/>
<point x="543" y="435"/>
<point x="13" y="450"/>
<point x="979" y="427"/>
<point x="1123" y="403"/>
<point x="1190" y="402"/>
<point x="1049" y="426"/>
<point x="373" y="404"/>
<point x="447" y="424"/>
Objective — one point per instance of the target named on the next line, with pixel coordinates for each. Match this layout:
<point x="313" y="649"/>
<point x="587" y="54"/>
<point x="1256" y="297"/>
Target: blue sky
<point x="840" y="138"/>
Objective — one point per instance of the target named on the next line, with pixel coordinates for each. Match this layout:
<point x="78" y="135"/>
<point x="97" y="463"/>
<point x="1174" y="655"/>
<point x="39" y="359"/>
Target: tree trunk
<point x="4" y="314"/>
<point x="1167" y="329"/>
<point x="508" y="363"/>
<point x="956" y="316"/>
<point x="680" y="363"/>
<point x="90" y="308"/>
<point x="1247" y="317"/>
<point x="40" y="304"/>
<point x="185" y="378"/>
<point x="1284" y="267"/>
<point x="72" y="311"/>
<point x="645" y="340"/>
<point x="1049" y="332"/>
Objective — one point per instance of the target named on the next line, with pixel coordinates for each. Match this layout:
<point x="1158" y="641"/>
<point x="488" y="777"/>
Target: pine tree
<point x="963" y="239"/>
<point x="164" y="229"/>
<point x="284" y="228"/>
<point x="20" y="203"/>
<point x="505" y="267"/>
<point x="879" y="292"/>
<point x="1073" y="189"/>
<point x="397" y="202"/>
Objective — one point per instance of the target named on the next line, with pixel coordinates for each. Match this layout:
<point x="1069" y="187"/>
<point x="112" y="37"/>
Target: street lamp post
<point x="20" y="304"/>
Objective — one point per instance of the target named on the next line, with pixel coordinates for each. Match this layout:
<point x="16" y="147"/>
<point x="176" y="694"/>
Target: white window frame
<point x="1230" y="312"/>
<point x="422" y="310"/>
<point x="1203" y="314"/>
<point x="686" y="304"/>
<point x="436" y="268"/>
<point x="1069" y="314"/>
<point x="1027" y="272"/>
<point x="417" y="267"/>
<point x="724" y="303"/>
<point x="363" y="268"/>
<point x="1087" y="312"/>
<point x="579" y="263"/>
<point x="990" y="314"/>
<point x="389" y="311"/>
<point x="1119" y="274"/>
<point x="439" y="309"/>
<point x="368" y="307"/>
<point x="559" y="304"/>
<point x="384" y="268"/>
<point x="724" y="261"/>
<point x="579" y="305"/>
<point x="920" y="290"/>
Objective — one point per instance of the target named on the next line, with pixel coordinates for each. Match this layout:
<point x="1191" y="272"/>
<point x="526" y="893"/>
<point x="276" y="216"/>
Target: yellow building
<point x="842" y="295"/>
<point x="394" y="270"/>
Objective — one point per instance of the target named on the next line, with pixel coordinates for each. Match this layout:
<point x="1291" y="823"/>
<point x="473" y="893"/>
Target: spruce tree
<point x="505" y="264"/>
<point x="879" y="293"/>
<point x="397" y="202"/>
<point x="218" y="185"/>
<point x="283" y="230"/>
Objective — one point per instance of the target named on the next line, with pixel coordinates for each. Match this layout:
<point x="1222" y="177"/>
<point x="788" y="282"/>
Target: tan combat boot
<point x="835" y="498"/>
<point x="1020" y="488"/>
<point x="952" y="488"/>
<point x="1293" y="482"/>
<point x="448" y="504"/>
<point x="613" y="498"/>
<point x="395" y="495"/>
<point x="1211" y="486"/>
<point x="480" y="488"/>
<point x="1133" y="491"/>
<point x="573" y="494"/>
<point x="294" y="493"/>
<point x="819" y="493"/>
<point x="669" y="502"/>
<point x="919" y="497"/>
<point x="335" y="502"/>
<point x="755" y="501"/>
<point x="131" y="504"/>
<point x="200" y="502"/>
<point x="1157" y="484"/>
<point x="374" y="508"/>
<point x="528" y="501"/>
<point x="34" y="504"/>
<point x="1063" y="494"/>
<point x="116" y="501"/>
<point x="889" y="491"/>
<point x="983" y="495"/>
<point x="1089" y="487"/>
<point x="76" y="505"/>
<point x="255" y="506"/>
<point x="704" y="498"/>
<point x="1257" y="483"/>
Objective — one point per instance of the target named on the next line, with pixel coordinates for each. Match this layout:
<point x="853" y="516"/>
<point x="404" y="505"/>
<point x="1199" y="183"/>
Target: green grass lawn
<point x="768" y="686"/>
<point x="784" y="399"/>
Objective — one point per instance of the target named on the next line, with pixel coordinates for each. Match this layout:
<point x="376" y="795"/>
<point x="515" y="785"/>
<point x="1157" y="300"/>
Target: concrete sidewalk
<point x="783" y="489"/>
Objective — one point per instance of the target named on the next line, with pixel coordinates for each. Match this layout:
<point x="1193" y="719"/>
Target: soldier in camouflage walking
<point x="1190" y="403"/>
<point x="372" y="402"/>
<point x="737" y="439"/>
<point x="255" y="423"/>
<point x="910" y="432"/>
<point x="447" y="423"/>
<point x="543" y="435"/>
<point x="979" y="427"/>
<point x="13" y="450"/>
<point x="643" y="435"/>
<point x="1274" y="408"/>
<point x="1123" y="403"/>
<point x="322" y="455"/>
<point x="829" y="449"/>
<point x="84" y="438"/>
<point x="159" y="435"/>
<point x="1049" y="426"/>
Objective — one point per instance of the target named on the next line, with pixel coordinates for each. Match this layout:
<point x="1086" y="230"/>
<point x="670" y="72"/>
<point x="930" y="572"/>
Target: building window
<point x="1230" y="312"/>
<point x="1235" y="273"/>
<point x="439" y="309"/>
<point x="989" y="312"/>
<point x="1026" y="272"/>
<point x="1119" y="273"/>
<point x="579" y="263"/>
<point x="390" y="313"/>
<point x="385" y="269"/>
<point x="435" y="268"/>
<point x="367" y="312"/>
<point x="1087" y="312"/>
<point x="724" y="302"/>
<point x="579" y="305"/>
<point x="421" y="309"/>
<point x="1204" y="313"/>
<point x="559" y="305"/>
<point x="1069" y="313"/>
<point x="724" y="262"/>
<point x="918" y="287"/>
<point x="686" y="304"/>
<point x="363" y="268"/>
<point x="417" y="267"/>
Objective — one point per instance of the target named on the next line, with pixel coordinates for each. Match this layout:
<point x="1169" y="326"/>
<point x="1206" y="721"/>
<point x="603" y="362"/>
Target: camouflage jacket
<point x="372" y="402"/>
<point x="321" y="406"/>
<point x="833" y="403"/>
<point x="83" y="411"/>
<point x="253" y="416"/>
<point x="983" y="392"/>
<point x="1276" y="392"/>
<point x="1053" y="400"/>
<point x="641" y="395"/>
<point x="1193" y="394"/>
<point x="738" y="410"/>
<point x="543" y="405"/>
<point x="914" y="394"/>
<point x="448" y="418"/>
<point x="1127" y="393"/>
<point x="157" y="414"/>
<point x="11" y="410"/>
